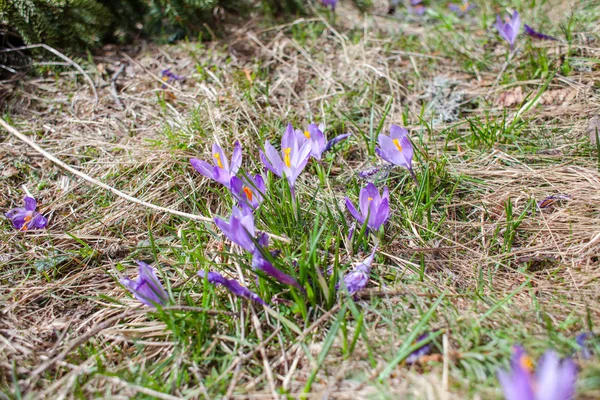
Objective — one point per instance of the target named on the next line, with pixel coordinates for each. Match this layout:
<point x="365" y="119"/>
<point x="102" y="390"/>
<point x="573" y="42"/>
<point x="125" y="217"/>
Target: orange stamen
<point x="307" y="134"/>
<point x="248" y="192"/>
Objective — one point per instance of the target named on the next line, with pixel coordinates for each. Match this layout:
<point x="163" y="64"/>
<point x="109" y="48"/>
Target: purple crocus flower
<point x="240" y="228"/>
<point x="358" y="278"/>
<point x="397" y="148"/>
<point x="169" y="76"/>
<point x="262" y="264"/>
<point x="420" y="352"/>
<point x="374" y="209"/>
<point x="537" y="35"/>
<point x="232" y="285"/>
<point x="331" y="3"/>
<point x="295" y="156"/>
<point x="248" y="191"/>
<point x="461" y="9"/>
<point x="553" y="380"/>
<point x="510" y="28"/>
<point x="24" y="218"/>
<point x="319" y="144"/>
<point x="582" y="339"/>
<point x="223" y="170"/>
<point x="147" y="287"/>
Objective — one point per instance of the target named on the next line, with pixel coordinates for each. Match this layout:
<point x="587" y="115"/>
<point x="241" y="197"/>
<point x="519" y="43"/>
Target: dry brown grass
<point x="43" y="312"/>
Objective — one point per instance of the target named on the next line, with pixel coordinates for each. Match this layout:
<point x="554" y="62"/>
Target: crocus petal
<point x="232" y="285"/>
<point x="38" y="221"/>
<point x="529" y="31"/>
<point x="555" y="379"/>
<point x="407" y="151"/>
<point x="289" y="138"/>
<point x="397" y="132"/>
<point x="17" y="217"/>
<point x="384" y="155"/>
<point x="353" y="211"/>
<point x="272" y="160"/>
<point x="218" y="152"/>
<point x="222" y="176"/>
<point x="335" y="141"/>
<point x="420" y="352"/>
<point x="301" y="159"/>
<point x="260" y="263"/>
<point x="236" y="158"/>
<point x="147" y="287"/>
<point x="30" y="203"/>
<point x="203" y="167"/>
<point x="381" y="214"/>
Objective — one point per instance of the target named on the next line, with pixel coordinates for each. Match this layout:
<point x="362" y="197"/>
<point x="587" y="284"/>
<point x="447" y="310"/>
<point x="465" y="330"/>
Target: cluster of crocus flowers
<point x="374" y="208"/>
<point x="222" y="169"/>
<point x="553" y="379"/>
<point x="397" y="149"/>
<point x="146" y="288"/>
<point x="27" y="218"/>
<point x="232" y="285"/>
<point x="509" y="29"/>
<point x="357" y="279"/>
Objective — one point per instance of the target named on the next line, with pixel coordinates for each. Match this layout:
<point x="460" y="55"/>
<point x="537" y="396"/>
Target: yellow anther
<point x="526" y="363"/>
<point x="248" y="192"/>
<point x="370" y="199"/>
<point x="465" y="6"/>
<point x="286" y="157"/>
<point x="307" y="134"/>
<point x="217" y="157"/>
<point x="397" y="143"/>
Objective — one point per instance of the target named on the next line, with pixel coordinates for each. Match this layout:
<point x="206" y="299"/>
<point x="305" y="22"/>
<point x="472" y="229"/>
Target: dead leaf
<point x="511" y="97"/>
<point x="558" y="97"/>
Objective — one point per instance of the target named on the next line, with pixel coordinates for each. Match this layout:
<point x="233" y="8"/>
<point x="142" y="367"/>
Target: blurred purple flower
<point x="240" y="228"/>
<point x="331" y="3"/>
<point x="169" y="76"/>
<point x="374" y="209"/>
<point x="24" y="218"/>
<point x="147" y="287"/>
<point x="510" y="28"/>
<point x="232" y="285"/>
<point x="295" y="156"/>
<point x="222" y="171"/>
<point x="262" y="264"/>
<point x="553" y="380"/>
<point x="537" y="35"/>
<point x="582" y="339"/>
<point x="420" y="352"/>
<point x="550" y="200"/>
<point x="461" y="9"/>
<point x="397" y="148"/>
<point x="319" y="144"/>
<point x="248" y="191"/>
<point x="358" y="278"/>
